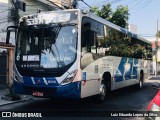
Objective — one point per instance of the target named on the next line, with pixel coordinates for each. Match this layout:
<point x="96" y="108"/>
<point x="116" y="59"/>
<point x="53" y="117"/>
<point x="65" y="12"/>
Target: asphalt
<point x="5" y="100"/>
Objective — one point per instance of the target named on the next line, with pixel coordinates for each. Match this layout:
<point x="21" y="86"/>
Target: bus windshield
<point x="46" y="47"/>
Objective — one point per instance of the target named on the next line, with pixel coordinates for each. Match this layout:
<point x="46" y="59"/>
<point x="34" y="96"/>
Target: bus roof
<point x="101" y="20"/>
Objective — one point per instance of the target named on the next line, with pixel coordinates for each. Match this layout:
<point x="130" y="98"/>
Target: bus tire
<point x="102" y="93"/>
<point x="140" y="84"/>
<point x="105" y="87"/>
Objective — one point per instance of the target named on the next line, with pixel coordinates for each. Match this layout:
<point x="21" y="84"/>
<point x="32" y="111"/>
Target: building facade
<point x="156" y="55"/>
<point x="4" y="20"/>
<point x="8" y="18"/>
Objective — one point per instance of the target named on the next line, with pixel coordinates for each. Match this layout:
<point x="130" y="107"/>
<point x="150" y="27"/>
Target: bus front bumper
<point x="71" y="90"/>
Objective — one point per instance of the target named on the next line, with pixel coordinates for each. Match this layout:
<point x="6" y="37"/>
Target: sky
<point x="143" y="13"/>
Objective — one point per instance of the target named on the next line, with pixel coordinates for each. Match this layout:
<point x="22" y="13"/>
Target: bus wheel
<point x="102" y="92"/>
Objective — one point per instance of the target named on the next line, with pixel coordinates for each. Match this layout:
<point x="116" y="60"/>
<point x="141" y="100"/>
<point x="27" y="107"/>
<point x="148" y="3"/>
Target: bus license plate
<point x="40" y="94"/>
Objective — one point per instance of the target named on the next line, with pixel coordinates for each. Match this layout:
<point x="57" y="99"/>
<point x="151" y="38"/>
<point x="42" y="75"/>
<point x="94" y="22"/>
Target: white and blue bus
<point x="75" y="54"/>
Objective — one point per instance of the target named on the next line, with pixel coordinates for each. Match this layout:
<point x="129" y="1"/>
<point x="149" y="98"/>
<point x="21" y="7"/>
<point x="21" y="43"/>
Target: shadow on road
<point x="125" y="99"/>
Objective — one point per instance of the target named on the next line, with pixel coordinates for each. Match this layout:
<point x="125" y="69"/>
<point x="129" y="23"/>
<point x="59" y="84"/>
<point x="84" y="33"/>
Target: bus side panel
<point x="92" y="75"/>
<point x="120" y="69"/>
<point x="118" y="65"/>
<point x="89" y="88"/>
<point x="126" y="72"/>
<point x="135" y="69"/>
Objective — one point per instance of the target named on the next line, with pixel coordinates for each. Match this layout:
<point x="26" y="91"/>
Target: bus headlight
<point x="69" y="78"/>
<point x="155" y="107"/>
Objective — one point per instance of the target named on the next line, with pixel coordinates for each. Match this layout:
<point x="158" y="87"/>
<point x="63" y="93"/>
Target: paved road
<point x="126" y="99"/>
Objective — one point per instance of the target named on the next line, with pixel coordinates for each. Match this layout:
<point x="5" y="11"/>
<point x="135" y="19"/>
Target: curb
<point x="155" y="78"/>
<point x="14" y="102"/>
<point x="11" y="98"/>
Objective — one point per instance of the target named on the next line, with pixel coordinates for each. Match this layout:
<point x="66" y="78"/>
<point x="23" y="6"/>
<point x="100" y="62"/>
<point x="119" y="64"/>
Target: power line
<point x="100" y="4"/>
<point x="116" y="1"/>
<point x="97" y="4"/>
<point x="136" y="8"/>
<point x="85" y="3"/>
<point x="136" y="4"/>
<point x="143" y="6"/>
<point x="93" y="2"/>
<point x="129" y="2"/>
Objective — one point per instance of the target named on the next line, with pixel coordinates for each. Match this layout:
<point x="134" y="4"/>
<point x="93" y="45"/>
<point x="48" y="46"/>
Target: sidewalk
<point x="155" y="77"/>
<point x="5" y="100"/>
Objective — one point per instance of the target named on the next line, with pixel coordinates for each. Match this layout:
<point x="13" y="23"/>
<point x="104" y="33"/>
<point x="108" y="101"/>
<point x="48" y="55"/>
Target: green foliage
<point x="119" y="17"/>
<point x="116" y="42"/>
<point x="119" y="44"/>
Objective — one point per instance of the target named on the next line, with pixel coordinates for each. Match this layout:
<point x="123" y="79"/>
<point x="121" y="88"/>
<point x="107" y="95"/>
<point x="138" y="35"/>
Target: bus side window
<point x="92" y="33"/>
<point x="89" y="29"/>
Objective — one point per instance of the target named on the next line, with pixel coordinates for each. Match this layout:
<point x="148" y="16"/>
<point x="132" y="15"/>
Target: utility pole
<point x="74" y="4"/>
<point x="16" y="14"/>
<point x="156" y="45"/>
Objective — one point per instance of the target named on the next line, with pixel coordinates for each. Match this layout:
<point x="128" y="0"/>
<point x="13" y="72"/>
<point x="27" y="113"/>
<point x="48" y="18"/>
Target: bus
<point x="76" y="54"/>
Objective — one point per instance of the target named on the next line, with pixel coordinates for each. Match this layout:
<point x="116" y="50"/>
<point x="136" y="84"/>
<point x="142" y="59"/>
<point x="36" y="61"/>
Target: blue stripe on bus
<point x="72" y="90"/>
<point x="120" y="71"/>
<point x="51" y="81"/>
<point x="128" y="73"/>
<point x="135" y="69"/>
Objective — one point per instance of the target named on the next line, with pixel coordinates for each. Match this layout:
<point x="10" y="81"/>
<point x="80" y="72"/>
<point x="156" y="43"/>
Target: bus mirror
<point x="9" y="30"/>
<point x="13" y="27"/>
<point x="8" y="36"/>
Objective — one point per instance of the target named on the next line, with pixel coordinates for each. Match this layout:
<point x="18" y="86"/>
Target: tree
<point x="115" y="42"/>
<point x="119" y="17"/>
<point x="105" y="12"/>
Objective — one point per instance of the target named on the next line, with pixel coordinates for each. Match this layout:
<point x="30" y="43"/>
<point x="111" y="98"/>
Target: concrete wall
<point x="4" y="21"/>
<point x="32" y="7"/>
<point x="62" y="3"/>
